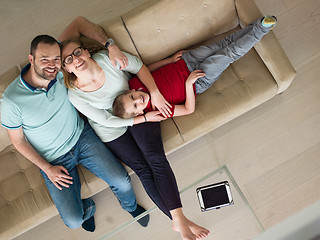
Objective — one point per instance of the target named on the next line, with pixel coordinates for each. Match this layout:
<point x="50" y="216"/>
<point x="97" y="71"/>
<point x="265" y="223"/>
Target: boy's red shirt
<point x="170" y="80"/>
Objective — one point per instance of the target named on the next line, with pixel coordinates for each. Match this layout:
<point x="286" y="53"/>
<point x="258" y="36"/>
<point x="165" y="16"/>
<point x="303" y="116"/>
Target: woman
<point x="93" y="85"/>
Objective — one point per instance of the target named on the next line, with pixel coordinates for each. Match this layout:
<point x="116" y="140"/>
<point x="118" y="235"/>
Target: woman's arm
<point x="157" y="100"/>
<point x="189" y="106"/>
<point x="82" y="26"/>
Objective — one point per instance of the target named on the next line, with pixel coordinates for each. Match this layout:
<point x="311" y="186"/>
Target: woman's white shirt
<point x="97" y="105"/>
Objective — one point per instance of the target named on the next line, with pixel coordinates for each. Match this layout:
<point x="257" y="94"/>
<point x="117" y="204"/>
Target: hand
<point x="154" y="116"/>
<point x="159" y="102"/>
<point x="194" y="76"/>
<point x="116" y="55"/>
<point x="176" y="57"/>
<point x="58" y="175"/>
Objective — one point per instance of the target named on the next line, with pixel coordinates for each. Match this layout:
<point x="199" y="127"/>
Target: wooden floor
<point x="272" y="151"/>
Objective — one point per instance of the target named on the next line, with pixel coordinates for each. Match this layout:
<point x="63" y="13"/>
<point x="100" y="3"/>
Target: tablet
<point x="214" y="196"/>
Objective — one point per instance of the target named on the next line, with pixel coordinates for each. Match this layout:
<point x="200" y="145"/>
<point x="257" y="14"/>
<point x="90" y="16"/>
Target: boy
<point x="178" y="85"/>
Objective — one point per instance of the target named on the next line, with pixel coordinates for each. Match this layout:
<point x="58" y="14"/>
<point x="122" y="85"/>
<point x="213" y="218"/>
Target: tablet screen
<point x="215" y="196"/>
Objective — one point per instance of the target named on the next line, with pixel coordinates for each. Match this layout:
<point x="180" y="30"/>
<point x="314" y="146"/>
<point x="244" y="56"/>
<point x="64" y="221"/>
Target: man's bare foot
<point x="200" y="232"/>
<point x="182" y="226"/>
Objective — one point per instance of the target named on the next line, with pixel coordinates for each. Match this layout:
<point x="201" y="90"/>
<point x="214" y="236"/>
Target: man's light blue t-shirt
<point x="50" y="122"/>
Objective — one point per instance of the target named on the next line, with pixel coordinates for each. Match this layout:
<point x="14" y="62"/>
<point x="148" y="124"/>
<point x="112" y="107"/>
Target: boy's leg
<point x="148" y="137"/>
<point x="196" y="56"/>
<point x="214" y="65"/>
<point x="126" y="149"/>
<point x="72" y="209"/>
<point x="94" y="156"/>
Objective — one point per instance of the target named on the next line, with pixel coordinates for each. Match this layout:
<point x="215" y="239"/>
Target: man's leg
<point x="148" y="137"/>
<point x="98" y="159"/>
<point x="72" y="209"/>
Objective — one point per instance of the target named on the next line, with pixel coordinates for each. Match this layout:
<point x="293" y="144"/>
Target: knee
<point x="122" y="184"/>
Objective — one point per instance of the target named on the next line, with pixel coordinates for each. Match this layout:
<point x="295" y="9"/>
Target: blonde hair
<point x="86" y="43"/>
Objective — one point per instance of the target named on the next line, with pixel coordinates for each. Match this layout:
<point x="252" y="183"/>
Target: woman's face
<point x="74" y="58"/>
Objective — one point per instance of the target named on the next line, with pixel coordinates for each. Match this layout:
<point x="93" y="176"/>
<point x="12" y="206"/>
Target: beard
<point x="43" y="72"/>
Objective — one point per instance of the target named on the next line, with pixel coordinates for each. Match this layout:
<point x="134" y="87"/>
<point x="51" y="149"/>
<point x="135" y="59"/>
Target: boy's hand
<point x="159" y="102"/>
<point x="176" y="57"/>
<point x="116" y="55"/>
<point x="194" y="76"/>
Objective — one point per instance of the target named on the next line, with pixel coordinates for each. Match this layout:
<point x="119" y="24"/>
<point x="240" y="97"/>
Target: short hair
<point x="41" y="39"/>
<point x="118" y="107"/>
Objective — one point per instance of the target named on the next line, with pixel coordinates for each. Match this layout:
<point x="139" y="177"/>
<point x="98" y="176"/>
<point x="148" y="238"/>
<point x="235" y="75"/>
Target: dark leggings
<point x="141" y="149"/>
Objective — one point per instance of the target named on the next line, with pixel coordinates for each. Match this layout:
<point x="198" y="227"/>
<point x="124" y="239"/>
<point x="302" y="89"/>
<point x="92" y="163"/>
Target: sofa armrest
<point x="269" y="48"/>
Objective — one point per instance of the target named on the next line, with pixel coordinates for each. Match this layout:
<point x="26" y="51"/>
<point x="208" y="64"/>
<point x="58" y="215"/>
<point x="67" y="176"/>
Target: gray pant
<point x="215" y="58"/>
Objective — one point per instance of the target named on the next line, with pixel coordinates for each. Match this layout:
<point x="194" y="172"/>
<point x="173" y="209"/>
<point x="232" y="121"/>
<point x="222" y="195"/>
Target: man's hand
<point x="159" y="102"/>
<point x="116" y="55"/>
<point x="154" y="116"/>
<point x="59" y="176"/>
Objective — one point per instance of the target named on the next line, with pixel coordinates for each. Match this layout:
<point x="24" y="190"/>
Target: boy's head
<point x="130" y="104"/>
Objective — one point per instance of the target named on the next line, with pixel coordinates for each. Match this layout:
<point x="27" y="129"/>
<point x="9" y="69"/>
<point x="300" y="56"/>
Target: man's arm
<point x="82" y="26"/>
<point x="57" y="174"/>
<point x="189" y="106"/>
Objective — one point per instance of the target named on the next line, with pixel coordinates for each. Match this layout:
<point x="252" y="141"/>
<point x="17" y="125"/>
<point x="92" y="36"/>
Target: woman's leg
<point x="126" y="149"/>
<point x="149" y="140"/>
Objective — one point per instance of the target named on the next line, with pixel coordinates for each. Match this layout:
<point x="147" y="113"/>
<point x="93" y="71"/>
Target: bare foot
<point x="200" y="232"/>
<point x="182" y="226"/>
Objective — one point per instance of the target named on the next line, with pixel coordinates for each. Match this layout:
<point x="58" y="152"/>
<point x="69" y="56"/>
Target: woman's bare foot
<point x="200" y="232"/>
<point x="188" y="229"/>
<point x="181" y="225"/>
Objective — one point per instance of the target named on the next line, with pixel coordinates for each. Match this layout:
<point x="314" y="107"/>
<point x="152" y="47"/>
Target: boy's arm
<point x="189" y="106"/>
<point x="176" y="57"/>
<point x="58" y="175"/>
<point x="82" y="26"/>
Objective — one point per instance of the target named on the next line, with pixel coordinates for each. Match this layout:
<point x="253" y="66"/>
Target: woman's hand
<point x="116" y="55"/>
<point x="159" y="102"/>
<point x="177" y="56"/>
<point x="194" y="76"/>
<point x="154" y="116"/>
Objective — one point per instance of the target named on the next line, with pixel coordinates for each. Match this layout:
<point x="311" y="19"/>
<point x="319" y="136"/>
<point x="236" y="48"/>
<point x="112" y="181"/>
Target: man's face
<point x="135" y="102"/>
<point x="47" y="61"/>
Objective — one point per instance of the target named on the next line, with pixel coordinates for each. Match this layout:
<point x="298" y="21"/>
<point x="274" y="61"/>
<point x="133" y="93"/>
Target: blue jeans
<point x="213" y="59"/>
<point x="91" y="153"/>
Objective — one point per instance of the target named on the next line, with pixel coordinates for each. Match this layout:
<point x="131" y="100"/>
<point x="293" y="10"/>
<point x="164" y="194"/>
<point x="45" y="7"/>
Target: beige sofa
<point x="153" y="31"/>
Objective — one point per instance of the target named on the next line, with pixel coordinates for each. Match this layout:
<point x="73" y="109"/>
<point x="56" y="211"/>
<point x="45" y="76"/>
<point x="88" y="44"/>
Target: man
<point x="44" y="127"/>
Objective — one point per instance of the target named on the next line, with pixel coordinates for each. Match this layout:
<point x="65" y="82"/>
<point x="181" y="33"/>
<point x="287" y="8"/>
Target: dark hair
<point x="118" y="107"/>
<point x="91" y="45"/>
<point x="41" y="39"/>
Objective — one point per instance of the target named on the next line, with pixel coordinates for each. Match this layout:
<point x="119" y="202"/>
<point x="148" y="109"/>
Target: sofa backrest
<point x="159" y="31"/>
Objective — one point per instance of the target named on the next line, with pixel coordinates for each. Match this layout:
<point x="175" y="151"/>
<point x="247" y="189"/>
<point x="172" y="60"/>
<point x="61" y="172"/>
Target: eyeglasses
<point x="77" y="53"/>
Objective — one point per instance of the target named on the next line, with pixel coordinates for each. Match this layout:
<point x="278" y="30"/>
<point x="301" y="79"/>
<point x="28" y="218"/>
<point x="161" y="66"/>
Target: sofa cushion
<point x="170" y="25"/>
